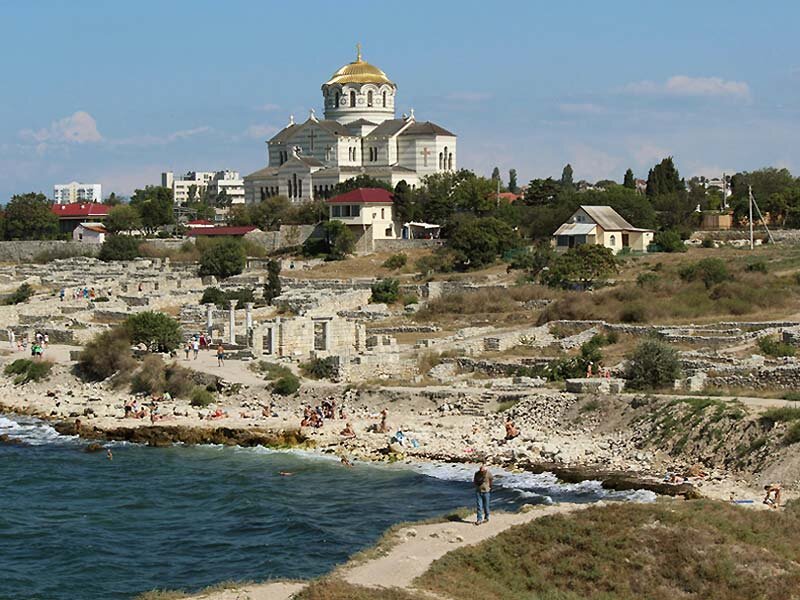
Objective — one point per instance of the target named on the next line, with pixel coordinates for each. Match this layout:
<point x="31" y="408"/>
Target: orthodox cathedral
<point x="360" y="134"/>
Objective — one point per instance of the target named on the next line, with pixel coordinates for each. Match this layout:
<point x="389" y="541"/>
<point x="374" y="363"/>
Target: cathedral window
<point x="441" y="161"/>
<point x="369" y="98"/>
<point x="352" y="98"/>
<point x="337" y="98"/>
<point x="299" y="188"/>
<point x="384" y="98"/>
<point x="450" y="162"/>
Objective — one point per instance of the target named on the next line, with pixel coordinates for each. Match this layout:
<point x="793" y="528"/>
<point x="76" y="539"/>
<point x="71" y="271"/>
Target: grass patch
<point x="772" y="346"/>
<point x="662" y="551"/>
<point x="505" y="405"/>
<point x="791" y="396"/>
<point x="24" y="370"/>
<point x="591" y="406"/>
<point x="270" y="371"/>
<point x="336" y="589"/>
<point x="781" y="415"/>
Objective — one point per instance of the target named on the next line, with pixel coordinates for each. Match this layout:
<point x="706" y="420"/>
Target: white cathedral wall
<point x="345" y="113"/>
<point x="412" y="150"/>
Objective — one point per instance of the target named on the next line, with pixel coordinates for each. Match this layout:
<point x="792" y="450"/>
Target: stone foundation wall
<point x="785" y="377"/>
<point x="27" y="250"/>
<point x="402" y="245"/>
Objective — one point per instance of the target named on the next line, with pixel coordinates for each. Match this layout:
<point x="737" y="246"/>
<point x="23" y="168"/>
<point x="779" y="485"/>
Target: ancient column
<point x="209" y="318"/>
<point x="248" y="315"/>
<point x="232" y="321"/>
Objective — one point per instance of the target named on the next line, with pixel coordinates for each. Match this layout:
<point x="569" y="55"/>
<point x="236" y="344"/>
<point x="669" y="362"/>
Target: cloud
<point x="592" y="164"/>
<point x="581" y="108"/>
<point x="78" y="128"/>
<point x="683" y="85"/>
<point x="646" y="152"/>
<point x="260" y="131"/>
<point x="160" y="140"/>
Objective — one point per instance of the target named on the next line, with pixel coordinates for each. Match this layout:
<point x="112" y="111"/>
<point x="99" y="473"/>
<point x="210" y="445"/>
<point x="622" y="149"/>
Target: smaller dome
<point x="359" y="71"/>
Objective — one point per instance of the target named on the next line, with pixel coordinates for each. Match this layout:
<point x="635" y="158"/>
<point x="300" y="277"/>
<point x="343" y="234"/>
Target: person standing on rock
<point x="483" y="491"/>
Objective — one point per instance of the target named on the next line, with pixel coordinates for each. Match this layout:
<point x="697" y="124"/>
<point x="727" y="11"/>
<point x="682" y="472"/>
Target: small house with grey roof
<point x="604" y="226"/>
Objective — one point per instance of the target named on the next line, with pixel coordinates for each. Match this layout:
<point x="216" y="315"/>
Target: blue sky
<point x="117" y="92"/>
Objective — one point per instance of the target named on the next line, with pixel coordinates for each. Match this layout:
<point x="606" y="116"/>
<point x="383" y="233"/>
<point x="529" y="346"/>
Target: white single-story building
<point x="368" y="211"/>
<point x="90" y="233"/>
<point x="604" y="226"/>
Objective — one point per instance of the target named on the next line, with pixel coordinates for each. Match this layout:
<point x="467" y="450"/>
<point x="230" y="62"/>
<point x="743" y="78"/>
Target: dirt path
<point x="280" y="590"/>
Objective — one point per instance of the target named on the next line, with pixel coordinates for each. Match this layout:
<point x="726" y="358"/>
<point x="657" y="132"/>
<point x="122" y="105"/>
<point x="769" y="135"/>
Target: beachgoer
<point x="384" y="426"/>
<point x="203" y="342"/>
<point x="46" y="340"/>
<point x="61" y="294"/>
<point x="285" y="473"/>
<point x="187" y="349"/>
<point x="220" y="355"/>
<point x="109" y="455"/>
<point x="511" y="430"/>
<point x="483" y="489"/>
<point x="773" y="497"/>
<point x="195" y="347"/>
<point x="346" y="462"/>
<point x="348" y="431"/>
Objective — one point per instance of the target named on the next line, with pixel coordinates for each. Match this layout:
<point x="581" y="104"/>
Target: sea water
<point x="75" y="525"/>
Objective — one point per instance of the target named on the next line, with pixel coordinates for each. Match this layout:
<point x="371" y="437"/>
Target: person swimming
<point x="285" y="473"/>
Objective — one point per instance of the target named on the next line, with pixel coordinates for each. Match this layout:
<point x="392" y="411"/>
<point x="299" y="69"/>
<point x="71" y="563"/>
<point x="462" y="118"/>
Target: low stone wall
<point x="401" y="245"/>
<point x="784" y="377"/>
<point x="27" y="250"/>
<point x="288" y="236"/>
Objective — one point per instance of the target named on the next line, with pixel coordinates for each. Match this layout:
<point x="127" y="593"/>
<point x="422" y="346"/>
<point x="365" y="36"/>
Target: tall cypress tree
<point x="512" y="181"/>
<point x="629" y="181"/>
<point x="566" y="177"/>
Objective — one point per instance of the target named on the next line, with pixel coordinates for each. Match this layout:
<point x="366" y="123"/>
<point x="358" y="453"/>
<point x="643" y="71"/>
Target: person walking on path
<point x="187" y="348"/>
<point x="483" y="490"/>
<point x="220" y="356"/>
<point x="195" y="347"/>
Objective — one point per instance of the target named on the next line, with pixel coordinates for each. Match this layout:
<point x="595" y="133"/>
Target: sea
<point x="76" y="525"/>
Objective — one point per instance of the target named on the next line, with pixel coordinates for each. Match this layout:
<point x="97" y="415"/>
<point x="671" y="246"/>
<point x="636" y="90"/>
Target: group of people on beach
<point x="315" y="417"/>
<point x="39" y="341"/>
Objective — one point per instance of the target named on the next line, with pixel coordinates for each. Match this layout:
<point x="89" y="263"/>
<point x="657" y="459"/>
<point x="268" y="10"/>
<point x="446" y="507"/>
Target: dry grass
<point x="496" y="306"/>
<point x="336" y="589"/>
<point x="698" y="549"/>
<point x="367" y="266"/>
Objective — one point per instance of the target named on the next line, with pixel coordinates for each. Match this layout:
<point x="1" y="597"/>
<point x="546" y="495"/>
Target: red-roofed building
<point x="233" y="231"/>
<point x="369" y="212"/>
<point x="72" y="215"/>
<point x="509" y="197"/>
<point x="199" y="223"/>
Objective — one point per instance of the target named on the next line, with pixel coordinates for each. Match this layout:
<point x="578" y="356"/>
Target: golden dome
<point x="359" y="71"/>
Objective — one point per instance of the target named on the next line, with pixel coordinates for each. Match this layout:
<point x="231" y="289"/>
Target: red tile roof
<point x="363" y="196"/>
<point x="200" y="222"/>
<point x="80" y="210"/>
<point x="238" y="230"/>
<point x="510" y="196"/>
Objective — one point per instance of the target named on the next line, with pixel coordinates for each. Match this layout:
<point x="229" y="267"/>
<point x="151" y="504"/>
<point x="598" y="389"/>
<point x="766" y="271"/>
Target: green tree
<point x="496" y="175"/>
<point x="652" y="365"/>
<point x="28" y="217"/>
<point x="669" y="241"/>
<point x="223" y="259"/>
<point x="386" y="291"/>
<point x="269" y="214"/>
<point x="566" y="177"/>
<point x="339" y="240"/>
<point x="107" y="353"/>
<point x="119" y="247"/>
<point x="542" y="191"/>
<point x="272" y="287"/>
<point x="123" y="218"/>
<point x="629" y="181"/>
<point x="405" y="207"/>
<point x="478" y="242"/>
<point x="157" y="331"/>
<point x="512" y="181"/>
<point x="664" y="179"/>
<point x="362" y="181"/>
<point x="583" y="264"/>
<point x="191" y="194"/>
<point x="113" y="200"/>
<point x="222" y="200"/>
<point x="155" y="207"/>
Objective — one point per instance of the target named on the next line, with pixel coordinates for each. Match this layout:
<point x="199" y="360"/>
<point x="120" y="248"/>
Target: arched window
<point x="613" y="240"/>
<point x="289" y="187"/>
<point x="299" y="188"/>
<point x="450" y="162"/>
<point x="441" y="161"/>
<point x="384" y="98"/>
<point x="337" y="99"/>
<point x="352" y="98"/>
<point x="382" y="213"/>
<point x="369" y="98"/>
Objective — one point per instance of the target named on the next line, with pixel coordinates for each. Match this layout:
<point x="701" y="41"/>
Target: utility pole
<point x="724" y="192"/>
<point x="750" y="205"/>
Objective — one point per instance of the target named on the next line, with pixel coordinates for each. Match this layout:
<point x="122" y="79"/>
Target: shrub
<point x="272" y="287"/>
<point x="223" y="259"/>
<point x="201" y="397"/>
<point x="653" y="364"/>
<point x="647" y="280"/>
<point x="157" y="331"/>
<point x="151" y="377"/>
<point x="583" y="264"/>
<point x="339" y="240"/>
<point x="396" y="261"/>
<point x="214" y="295"/>
<point x="707" y="243"/>
<point x="772" y="346"/>
<point x="106" y="354"/>
<point x="479" y="241"/>
<point x="20" y="295"/>
<point x="286" y="385"/>
<point x="25" y="370"/>
<point x="179" y="381"/>
<point x="792" y="434"/>
<point x="710" y="271"/>
<point x="385" y="290"/>
<point x="669" y="241"/>
<point x="633" y="313"/>
<point x="758" y="266"/>
<point x="320" y="368"/>
<point x="441" y="261"/>
<point x="271" y="371"/>
<point x="119" y="247"/>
